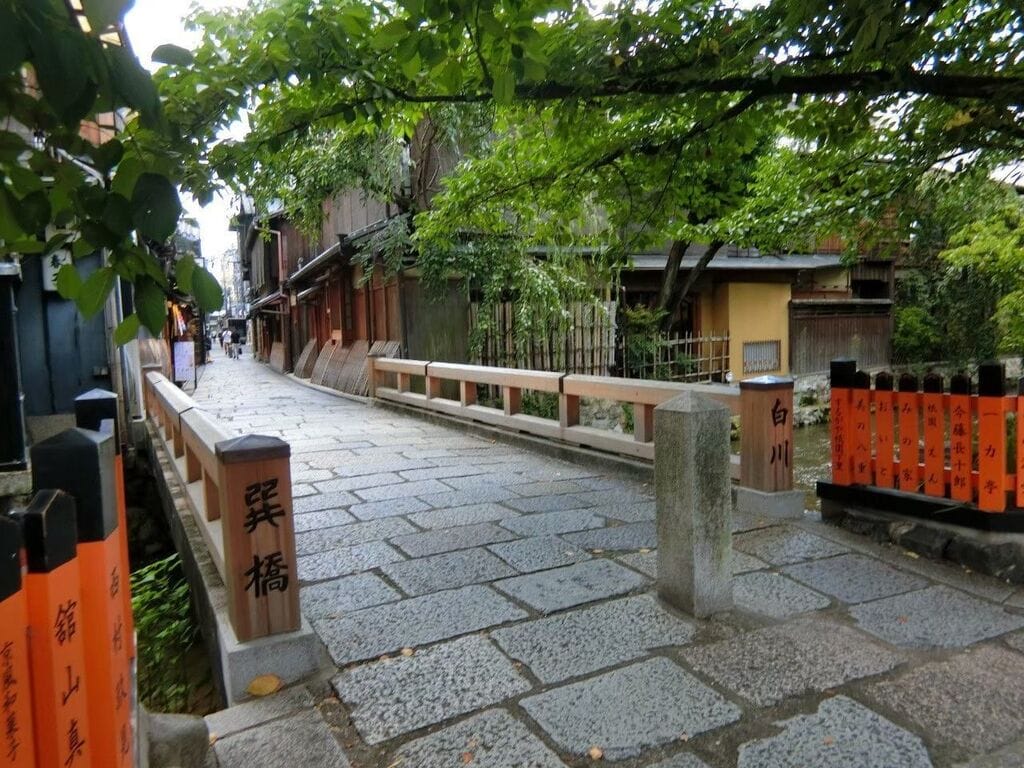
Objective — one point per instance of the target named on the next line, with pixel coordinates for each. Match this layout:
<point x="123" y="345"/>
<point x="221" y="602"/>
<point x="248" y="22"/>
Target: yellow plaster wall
<point x="756" y="312"/>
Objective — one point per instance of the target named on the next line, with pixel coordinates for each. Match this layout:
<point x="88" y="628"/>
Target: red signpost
<point x="17" y="749"/>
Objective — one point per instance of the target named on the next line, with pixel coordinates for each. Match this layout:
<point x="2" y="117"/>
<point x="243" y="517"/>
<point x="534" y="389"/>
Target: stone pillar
<point x="694" y="504"/>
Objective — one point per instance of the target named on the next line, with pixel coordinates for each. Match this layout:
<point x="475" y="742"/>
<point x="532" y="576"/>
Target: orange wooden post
<point x="17" y="749"/>
<point x="766" y="421"/>
<point x="860" y="427"/>
<point x="259" y="539"/>
<point x="991" y="437"/>
<point x="934" y="436"/>
<point x="467" y="393"/>
<point x="81" y="463"/>
<point x="1020" y="444"/>
<point x="910" y="431"/>
<point x="60" y="704"/>
<point x="884" y="434"/>
<point x="643" y="422"/>
<point x="960" y="455"/>
<point x="92" y="409"/>
<point x="841" y="374"/>
<point x="512" y="400"/>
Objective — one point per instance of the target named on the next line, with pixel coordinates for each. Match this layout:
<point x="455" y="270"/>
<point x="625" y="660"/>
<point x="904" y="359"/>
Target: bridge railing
<point x="766" y="439"/>
<point x="239" y="490"/>
<point x="917" y="437"/>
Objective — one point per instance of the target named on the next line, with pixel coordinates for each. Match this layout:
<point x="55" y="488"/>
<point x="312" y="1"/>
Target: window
<point x="762" y="356"/>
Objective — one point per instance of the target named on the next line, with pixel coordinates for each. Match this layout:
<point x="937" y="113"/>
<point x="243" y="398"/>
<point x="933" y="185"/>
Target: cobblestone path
<point x="485" y="605"/>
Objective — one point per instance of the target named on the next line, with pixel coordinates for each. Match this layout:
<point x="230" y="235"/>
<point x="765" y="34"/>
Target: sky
<point x="154" y="22"/>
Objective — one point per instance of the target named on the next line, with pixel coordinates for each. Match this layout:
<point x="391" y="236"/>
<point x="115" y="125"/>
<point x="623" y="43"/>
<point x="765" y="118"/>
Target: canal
<point x="811" y="459"/>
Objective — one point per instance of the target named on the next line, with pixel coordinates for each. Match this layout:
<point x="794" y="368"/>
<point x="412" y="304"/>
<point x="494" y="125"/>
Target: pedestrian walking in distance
<point x="235" y="338"/>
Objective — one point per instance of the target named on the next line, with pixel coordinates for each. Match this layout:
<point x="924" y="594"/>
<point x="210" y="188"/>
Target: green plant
<point x="166" y="632"/>
<point x="542" y="404"/>
<point x="915" y="338"/>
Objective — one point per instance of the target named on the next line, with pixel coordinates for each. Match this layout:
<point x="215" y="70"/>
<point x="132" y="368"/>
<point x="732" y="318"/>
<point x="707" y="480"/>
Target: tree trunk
<point x="670" y="276"/>
<point x="677" y="291"/>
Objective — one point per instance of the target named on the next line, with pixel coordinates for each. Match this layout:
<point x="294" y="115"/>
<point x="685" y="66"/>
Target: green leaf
<point x="184" y="268"/>
<point x="389" y="34"/>
<point x="133" y="83"/>
<point x="117" y="215"/>
<point x="127" y="175"/>
<point x="69" y="282"/>
<point x="411" y="67"/>
<point x="172" y="54"/>
<point x="98" y="235"/>
<point x="12" y="42"/>
<point x="127" y="330"/>
<point x="94" y="291"/>
<point x="107" y="155"/>
<point x="155" y="206"/>
<point x="32" y="212"/>
<point x="504" y="89"/>
<point x="207" y="290"/>
<point x="150" y="305"/>
<point x="103" y="13"/>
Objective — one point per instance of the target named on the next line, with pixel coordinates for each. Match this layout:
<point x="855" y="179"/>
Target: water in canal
<point x="811" y="459"/>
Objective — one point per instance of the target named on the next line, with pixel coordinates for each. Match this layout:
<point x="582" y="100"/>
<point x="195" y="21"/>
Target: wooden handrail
<point x="239" y="490"/>
<point x="641" y="394"/>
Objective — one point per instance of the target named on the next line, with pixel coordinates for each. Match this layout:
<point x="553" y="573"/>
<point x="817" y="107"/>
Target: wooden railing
<point x="239" y="490"/>
<point x="392" y="380"/>
<point x="961" y="453"/>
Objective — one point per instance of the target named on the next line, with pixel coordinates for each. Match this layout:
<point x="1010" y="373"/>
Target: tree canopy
<point x="598" y="130"/>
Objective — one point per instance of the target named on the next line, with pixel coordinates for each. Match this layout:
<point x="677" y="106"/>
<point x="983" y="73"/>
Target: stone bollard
<point x="694" y="504"/>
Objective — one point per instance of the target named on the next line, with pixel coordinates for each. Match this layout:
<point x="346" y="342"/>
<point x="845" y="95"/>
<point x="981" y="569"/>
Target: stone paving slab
<point x="309" y="542"/>
<point x="373" y="510"/>
<point x="349" y="593"/>
<point x="464" y="498"/>
<point x="629" y="511"/>
<point x="449" y="539"/>
<point x="1015" y="641"/>
<point x="783" y="546"/>
<point x="547" y="503"/>
<point x="492" y="739"/>
<point x="323" y="501"/>
<point x="346" y="560"/>
<point x="938" y="617"/>
<point x="682" y="760"/>
<point x="402" y="490"/>
<point x="358" y="482"/>
<point x="252" y="713"/>
<point x="772" y="594"/>
<point x="854" y="578"/>
<point x="632" y="536"/>
<point x="552" y="590"/>
<point x="447" y="571"/>
<point x="646" y="561"/>
<point x="371" y="632"/>
<point x="841" y="734"/>
<point x="279" y="742"/>
<point x="552" y="523"/>
<point x="625" y="711"/>
<point x="539" y="553"/>
<point x="455" y="517"/>
<point x="327" y="518"/>
<point x="803" y="656"/>
<point x="400" y="695"/>
<point x="586" y="640"/>
<point x="973" y="701"/>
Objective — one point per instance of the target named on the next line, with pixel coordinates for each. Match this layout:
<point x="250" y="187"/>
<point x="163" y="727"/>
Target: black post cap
<point x="10" y="557"/>
<point x="841" y="371"/>
<point x="933" y="383"/>
<point x="991" y="379"/>
<point x="49" y="530"/>
<point x="883" y="381"/>
<point x="907" y="383"/>
<point x="960" y="384"/>
<point x="861" y="380"/>
<point x="94" y="407"/>
<point x="81" y="462"/>
<point x="252" y="448"/>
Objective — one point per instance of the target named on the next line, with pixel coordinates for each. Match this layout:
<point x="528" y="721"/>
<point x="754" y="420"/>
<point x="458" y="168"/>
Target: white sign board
<point x="184" y="361"/>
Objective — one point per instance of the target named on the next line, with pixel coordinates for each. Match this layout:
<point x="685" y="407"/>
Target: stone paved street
<point x="481" y="604"/>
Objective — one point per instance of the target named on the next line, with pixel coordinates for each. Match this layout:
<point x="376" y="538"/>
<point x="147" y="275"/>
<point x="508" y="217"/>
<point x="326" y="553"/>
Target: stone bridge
<point x="480" y="603"/>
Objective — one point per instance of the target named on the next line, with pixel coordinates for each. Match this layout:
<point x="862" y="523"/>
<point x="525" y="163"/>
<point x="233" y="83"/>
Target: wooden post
<point x="934" y="437"/>
<point x="81" y="463"/>
<point x="431" y="386"/>
<point x="371" y="375"/>
<point x="404" y="382"/>
<point x="1020" y="444"/>
<point x="910" y="430"/>
<point x="960" y="453"/>
<point x="991" y="437"/>
<point x="60" y="703"/>
<point x="92" y="410"/>
<point x="17" y="748"/>
<point x="766" y="445"/>
<point x="512" y="400"/>
<point x="643" y="422"/>
<point x="259" y="539"/>
<point x="885" y="439"/>
<point x="860" y="423"/>
<point x="568" y="410"/>
<point x="841" y="373"/>
<point x="467" y="393"/>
